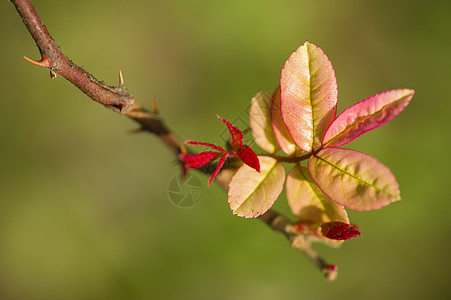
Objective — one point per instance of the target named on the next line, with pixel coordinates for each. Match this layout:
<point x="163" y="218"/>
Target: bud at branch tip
<point x="330" y="271"/>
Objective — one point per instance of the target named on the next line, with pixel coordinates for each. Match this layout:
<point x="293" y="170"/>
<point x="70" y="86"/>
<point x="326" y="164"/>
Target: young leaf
<point x="366" y="115"/>
<point x="248" y="156"/>
<point x="281" y="133"/>
<point x="308" y="202"/>
<point x="353" y="179"/>
<point x="308" y="95"/>
<point x="251" y="193"/>
<point x="200" y="159"/>
<point x="260" y="121"/>
<point x="243" y="152"/>
<point x="235" y="133"/>
<point x="340" y="231"/>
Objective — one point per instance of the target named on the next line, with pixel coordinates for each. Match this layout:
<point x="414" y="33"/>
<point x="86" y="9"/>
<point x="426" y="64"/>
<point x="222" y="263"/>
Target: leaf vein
<point x="351" y="175"/>
<point x="256" y="188"/>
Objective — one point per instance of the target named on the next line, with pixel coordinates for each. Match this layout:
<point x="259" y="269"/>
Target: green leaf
<point x="252" y="193"/>
<point x="281" y="133"/>
<point x="353" y="179"/>
<point x="308" y="202"/>
<point x="308" y="95"/>
<point x="260" y="121"/>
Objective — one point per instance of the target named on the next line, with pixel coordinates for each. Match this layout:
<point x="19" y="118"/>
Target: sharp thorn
<point x="45" y="61"/>
<point x="155" y="106"/>
<point x="136" y="130"/>
<point x="121" y="79"/>
<point x="183" y="149"/>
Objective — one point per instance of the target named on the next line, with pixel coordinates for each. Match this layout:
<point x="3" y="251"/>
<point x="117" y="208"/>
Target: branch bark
<point x="118" y="99"/>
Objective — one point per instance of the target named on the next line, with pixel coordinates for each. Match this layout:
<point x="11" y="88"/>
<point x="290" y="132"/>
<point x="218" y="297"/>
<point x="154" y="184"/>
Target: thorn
<point x="136" y="130"/>
<point x="155" y="106"/>
<point x="183" y="149"/>
<point x="121" y="79"/>
<point x="44" y="62"/>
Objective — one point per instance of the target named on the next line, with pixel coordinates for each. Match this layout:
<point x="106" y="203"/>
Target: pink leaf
<point x="366" y="115"/>
<point x="237" y="135"/>
<point x="281" y="133"/>
<point x="308" y="95"/>
<point x="353" y="179"/>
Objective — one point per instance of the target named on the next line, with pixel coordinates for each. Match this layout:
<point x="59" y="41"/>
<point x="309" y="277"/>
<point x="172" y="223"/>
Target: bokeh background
<point x="84" y="208"/>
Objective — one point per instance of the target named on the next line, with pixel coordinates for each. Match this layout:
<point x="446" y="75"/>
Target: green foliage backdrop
<point x="84" y="211"/>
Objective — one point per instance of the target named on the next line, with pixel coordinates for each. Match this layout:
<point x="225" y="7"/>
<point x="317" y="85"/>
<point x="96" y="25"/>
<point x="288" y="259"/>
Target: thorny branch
<point x="115" y="98"/>
<point x="118" y="99"/>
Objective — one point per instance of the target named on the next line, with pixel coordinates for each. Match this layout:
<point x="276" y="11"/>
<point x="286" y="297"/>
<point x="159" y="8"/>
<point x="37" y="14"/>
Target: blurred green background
<point x="84" y="209"/>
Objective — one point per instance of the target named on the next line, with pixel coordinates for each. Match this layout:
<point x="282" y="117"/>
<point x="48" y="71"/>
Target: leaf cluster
<point x="300" y="120"/>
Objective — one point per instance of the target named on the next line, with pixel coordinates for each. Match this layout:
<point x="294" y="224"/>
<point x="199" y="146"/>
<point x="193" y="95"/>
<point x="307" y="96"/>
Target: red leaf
<point x="248" y="156"/>
<point x="237" y="135"/>
<point x="199" y="160"/>
<point x="218" y="168"/>
<point x="190" y="142"/>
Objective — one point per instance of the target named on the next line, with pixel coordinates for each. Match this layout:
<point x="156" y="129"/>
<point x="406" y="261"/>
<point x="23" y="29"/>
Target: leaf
<point x="340" y="231"/>
<point x="218" y="168"/>
<point x="353" y="179"/>
<point x="308" y="95"/>
<point x="200" y="159"/>
<point x="260" y="121"/>
<point x="308" y="202"/>
<point x="366" y="115"/>
<point x="236" y="134"/>
<point x="248" y="156"/>
<point x="251" y="193"/>
<point x="281" y="133"/>
<point x="191" y="142"/>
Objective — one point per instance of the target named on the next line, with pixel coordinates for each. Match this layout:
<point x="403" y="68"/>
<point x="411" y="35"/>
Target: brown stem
<point x="118" y="99"/>
<point x="115" y="98"/>
<point x="151" y="122"/>
<point x="300" y="242"/>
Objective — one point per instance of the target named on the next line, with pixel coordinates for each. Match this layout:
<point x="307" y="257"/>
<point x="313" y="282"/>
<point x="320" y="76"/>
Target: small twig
<point x="298" y="241"/>
<point x="292" y="159"/>
<point x="119" y="100"/>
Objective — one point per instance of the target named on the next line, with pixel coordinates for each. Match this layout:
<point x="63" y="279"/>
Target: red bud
<point x="339" y="230"/>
